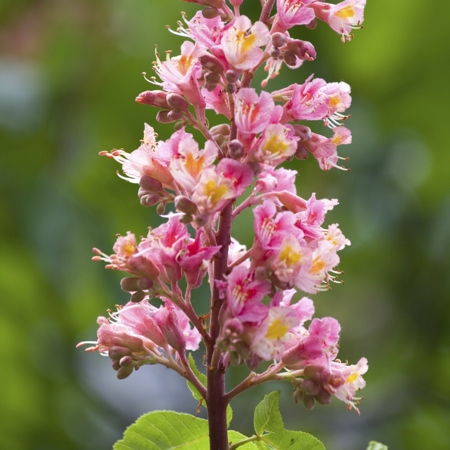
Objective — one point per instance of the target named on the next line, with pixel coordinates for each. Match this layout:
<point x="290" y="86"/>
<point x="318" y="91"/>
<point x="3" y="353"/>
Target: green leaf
<point x="292" y="440"/>
<point x="202" y="378"/>
<point x="169" y="430"/>
<point x="268" y="419"/>
<point x="267" y="415"/>
<point x="376" y="446"/>
<point x="166" y="430"/>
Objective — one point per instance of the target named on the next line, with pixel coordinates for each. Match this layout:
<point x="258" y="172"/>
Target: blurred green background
<point x="69" y="73"/>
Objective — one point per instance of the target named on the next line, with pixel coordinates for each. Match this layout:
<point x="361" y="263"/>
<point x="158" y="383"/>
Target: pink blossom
<point x="245" y="293"/>
<point x="278" y="143"/>
<point x="187" y="167"/>
<point x="253" y="113"/>
<point x="192" y="260"/>
<point x="343" y="17"/>
<point x="291" y="13"/>
<point x="180" y="74"/>
<point x="241" y="42"/>
<point x="270" y="338"/>
<point x="344" y="381"/>
<point x="276" y="180"/>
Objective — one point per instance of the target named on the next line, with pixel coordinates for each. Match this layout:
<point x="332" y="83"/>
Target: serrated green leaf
<point x="166" y="430"/>
<point x="202" y="378"/>
<point x="376" y="446"/>
<point x="267" y="415"/>
<point x="292" y="440"/>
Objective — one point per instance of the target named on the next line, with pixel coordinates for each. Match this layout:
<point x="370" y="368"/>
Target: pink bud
<point x="162" y="117"/>
<point x="150" y="184"/>
<point x="210" y="13"/>
<point x="177" y="102"/>
<point x="231" y="76"/>
<point x="153" y="98"/>
<point x="278" y="39"/>
<point x="183" y="204"/>
<point x="211" y="63"/>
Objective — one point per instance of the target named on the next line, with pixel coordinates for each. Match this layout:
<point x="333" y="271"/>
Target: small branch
<point x="191" y="377"/>
<point x="249" y="201"/>
<point x="253" y="380"/>
<point x="245" y="256"/>
<point x="265" y="13"/>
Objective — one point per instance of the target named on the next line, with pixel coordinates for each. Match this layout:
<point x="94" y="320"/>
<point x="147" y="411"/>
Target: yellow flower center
<point x="345" y="13"/>
<point x="277" y="329"/>
<point x="215" y="192"/>
<point x="275" y="145"/>
<point x="351" y="378"/>
<point x="289" y="256"/>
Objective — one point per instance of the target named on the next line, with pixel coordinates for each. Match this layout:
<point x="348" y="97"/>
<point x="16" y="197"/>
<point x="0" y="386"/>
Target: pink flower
<point x="343" y="17"/>
<point x="253" y="113"/>
<point x="180" y="74"/>
<point x="217" y="186"/>
<point x="270" y="338"/>
<point x="291" y="13"/>
<point x="277" y="144"/>
<point x="187" y="167"/>
<point x="276" y="180"/>
<point x="241" y="42"/>
<point x="344" y="381"/>
<point x="147" y="160"/>
<point x="192" y="260"/>
<point x="244" y="294"/>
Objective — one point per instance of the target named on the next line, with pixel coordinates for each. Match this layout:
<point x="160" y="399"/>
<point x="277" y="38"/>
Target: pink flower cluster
<point x="257" y="317"/>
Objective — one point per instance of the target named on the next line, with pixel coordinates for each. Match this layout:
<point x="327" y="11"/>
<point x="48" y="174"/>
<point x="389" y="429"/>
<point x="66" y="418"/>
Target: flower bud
<point x="124" y="372"/>
<point x="129" y="284"/>
<point x="255" y="167"/>
<point x="311" y="25"/>
<point x="116" y="352"/>
<point x="303" y="132"/>
<point x="162" y="117"/>
<point x="115" y="364"/>
<point x="278" y="39"/>
<point x="212" y="78"/>
<point x="186" y="219"/>
<point x="230" y="88"/>
<point x="210" y="87"/>
<point x="211" y="63"/>
<point x="126" y="361"/>
<point x="231" y="76"/>
<point x="301" y="153"/>
<point x="137" y="297"/>
<point x="174" y="115"/>
<point x="275" y="53"/>
<point x="236" y="3"/>
<point x="201" y="219"/>
<point x="167" y="321"/>
<point x="183" y="204"/>
<point x="289" y="58"/>
<point x="153" y="98"/>
<point x="303" y="49"/>
<point x="177" y="102"/>
<point x="147" y="199"/>
<point x="144" y="284"/>
<point x="210" y="13"/>
<point x="323" y="397"/>
<point x="235" y="149"/>
<point x="308" y="401"/>
<point x="160" y="209"/>
<point x="150" y="184"/>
